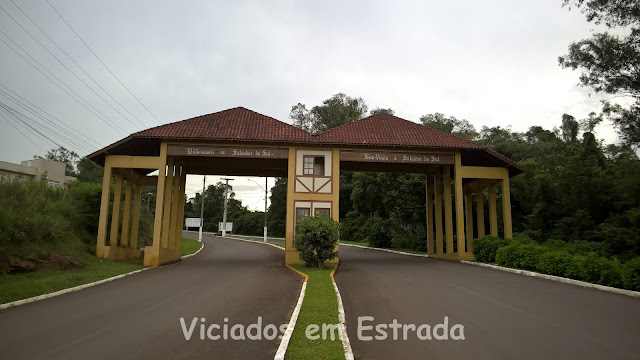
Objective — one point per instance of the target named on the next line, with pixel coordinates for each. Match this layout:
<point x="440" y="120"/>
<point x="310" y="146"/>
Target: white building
<point x="35" y="169"/>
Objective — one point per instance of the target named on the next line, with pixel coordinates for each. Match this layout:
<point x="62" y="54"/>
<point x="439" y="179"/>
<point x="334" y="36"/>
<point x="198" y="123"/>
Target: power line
<point x="103" y="64"/>
<point x="122" y="132"/>
<point x="24" y="103"/>
<point x="25" y="124"/>
<point x="65" y="66"/>
<point x="79" y="67"/>
<point x="20" y="131"/>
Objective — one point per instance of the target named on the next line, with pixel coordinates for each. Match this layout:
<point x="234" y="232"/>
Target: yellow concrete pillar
<point x="493" y="213"/>
<point x="290" y="252"/>
<point x="437" y="180"/>
<point x="115" y="215"/>
<point x="480" y="212"/>
<point x="175" y="208"/>
<point x="448" y="211"/>
<point x="429" y="213"/>
<point x="180" y="216"/>
<point x="104" y="209"/>
<point x="151" y="258"/>
<point x="135" y="217"/>
<point x="166" y="219"/>
<point x="469" y="217"/>
<point x="459" y="193"/>
<point x="506" y="208"/>
<point x="124" y="235"/>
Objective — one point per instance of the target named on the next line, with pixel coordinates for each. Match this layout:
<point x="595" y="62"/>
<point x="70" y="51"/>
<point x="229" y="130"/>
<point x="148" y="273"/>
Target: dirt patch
<point x="54" y="259"/>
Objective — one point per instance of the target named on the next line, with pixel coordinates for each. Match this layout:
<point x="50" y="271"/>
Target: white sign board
<point x="229" y="226"/>
<point x="192" y="222"/>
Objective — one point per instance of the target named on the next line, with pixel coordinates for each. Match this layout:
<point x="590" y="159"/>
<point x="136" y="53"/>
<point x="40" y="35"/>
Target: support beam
<point x="437" y="180"/>
<point x="175" y="208"/>
<point x="152" y="258"/>
<point x="480" y="212"/>
<point x="124" y="235"/>
<point x="115" y="215"/>
<point x="459" y="196"/>
<point x="166" y="219"/>
<point x="429" y="207"/>
<point x="104" y="208"/>
<point x="135" y="217"/>
<point x="469" y="221"/>
<point x="493" y="213"/>
<point x="506" y="208"/>
<point x="291" y="256"/>
<point x="180" y="217"/>
<point x="448" y="210"/>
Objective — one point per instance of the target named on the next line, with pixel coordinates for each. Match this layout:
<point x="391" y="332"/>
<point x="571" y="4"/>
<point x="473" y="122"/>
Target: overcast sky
<point x="490" y="62"/>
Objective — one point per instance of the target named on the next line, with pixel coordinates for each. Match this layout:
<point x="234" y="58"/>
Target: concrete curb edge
<point x="386" y="250"/>
<point x="346" y="344"/>
<point x="557" y="278"/>
<point x="284" y="343"/>
<point x="81" y="287"/>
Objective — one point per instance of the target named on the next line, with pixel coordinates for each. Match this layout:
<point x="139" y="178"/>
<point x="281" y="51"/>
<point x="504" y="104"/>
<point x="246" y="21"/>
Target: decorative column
<point x="480" y="212"/>
<point x="448" y="211"/>
<point x="493" y="213"/>
<point x="438" y="211"/>
<point x="429" y="213"/>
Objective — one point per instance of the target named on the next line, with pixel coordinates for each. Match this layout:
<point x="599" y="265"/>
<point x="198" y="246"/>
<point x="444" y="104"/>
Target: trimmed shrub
<point x="485" y="248"/>
<point x="631" y="274"/>
<point x="554" y="262"/>
<point x="507" y="255"/>
<point x="316" y="239"/>
<point x="518" y="255"/>
<point x="611" y="273"/>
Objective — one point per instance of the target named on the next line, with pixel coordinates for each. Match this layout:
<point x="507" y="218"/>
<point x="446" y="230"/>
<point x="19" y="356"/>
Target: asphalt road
<point x="137" y="317"/>
<point x="260" y="238"/>
<point x="505" y="315"/>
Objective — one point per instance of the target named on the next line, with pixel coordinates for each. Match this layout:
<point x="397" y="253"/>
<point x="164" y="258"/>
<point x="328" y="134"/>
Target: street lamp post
<point x="266" y="186"/>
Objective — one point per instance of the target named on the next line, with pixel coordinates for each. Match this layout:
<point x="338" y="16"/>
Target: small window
<point x="302" y="213"/>
<point x="322" y="212"/>
<point x="314" y="165"/>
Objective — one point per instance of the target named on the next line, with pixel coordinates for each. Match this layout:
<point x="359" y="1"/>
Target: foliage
<point x="316" y="240"/>
<point x="338" y="110"/>
<point x="553" y="262"/>
<point x="249" y="223"/>
<point x="214" y="206"/>
<point x="631" y="274"/>
<point x="485" y="248"/>
<point x="462" y="128"/>
<point x="88" y="171"/>
<point x="609" y="61"/>
<point x="61" y="154"/>
<point x="379" y="238"/>
<point x="277" y="213"/>
<point x="520" y="255"/>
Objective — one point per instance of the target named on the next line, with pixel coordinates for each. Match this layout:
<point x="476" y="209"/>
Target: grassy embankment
<point x="320" y="306"/>
<point x="47" y="280"/>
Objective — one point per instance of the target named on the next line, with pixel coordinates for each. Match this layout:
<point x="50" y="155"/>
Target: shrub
<point x="611" y="273"/>
<point x="507" y="256"/>
<point x="631" y="274"/>
<point x="379" y="238"/>
<point x="554" y="262"/>
<point x="485" y="248"/>
<point x="519" y="255"/>
<point x="316" y="240"/>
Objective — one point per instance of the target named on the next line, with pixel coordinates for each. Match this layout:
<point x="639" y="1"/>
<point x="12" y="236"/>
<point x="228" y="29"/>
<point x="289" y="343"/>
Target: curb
<point x="255" y="242"/>
<point x="81" y="287"/>
<point x="386" y="250"/>
<point x="284" y="343"/>
<point x="557" y="278"/>
<point x="346" y="344"/>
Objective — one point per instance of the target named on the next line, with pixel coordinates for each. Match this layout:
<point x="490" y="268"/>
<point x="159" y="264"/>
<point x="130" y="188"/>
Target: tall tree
<point x="88" y="171"/>
<point x="450" y="125"/>
<point x="61" y="154"/>
<point x="337" y="110"/>
<point x="610" y="61"/>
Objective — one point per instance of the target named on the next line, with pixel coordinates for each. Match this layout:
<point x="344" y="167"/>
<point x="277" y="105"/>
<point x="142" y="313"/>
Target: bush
<point x="519" y="255"/>
<point x="379" y="238"/>
<point x="485" y="248"/>
<point x="554" y="262"/>
<point x="316" y="240"/>
<point x="631" y="274"/>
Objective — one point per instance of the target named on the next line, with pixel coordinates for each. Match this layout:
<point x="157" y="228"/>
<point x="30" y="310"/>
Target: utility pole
<point x="204" y="179"/>
<point x="266" y="187"/>
<point x="224" y="215"/>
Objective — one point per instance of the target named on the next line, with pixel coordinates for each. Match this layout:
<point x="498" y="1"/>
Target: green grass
<point x="190" y="246"/>
<point x="320" y="306"/>
<point x="21" y="286"/>
<point x="277" y="244"/>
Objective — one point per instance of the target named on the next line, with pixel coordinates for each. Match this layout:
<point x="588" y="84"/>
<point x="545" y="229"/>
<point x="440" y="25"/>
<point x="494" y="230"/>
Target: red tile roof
<point x="233" y="124"/>
<point x="388" y="130"/>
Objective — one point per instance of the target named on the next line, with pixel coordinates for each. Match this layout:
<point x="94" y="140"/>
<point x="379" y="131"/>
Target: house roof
<point x="241" y="125"/>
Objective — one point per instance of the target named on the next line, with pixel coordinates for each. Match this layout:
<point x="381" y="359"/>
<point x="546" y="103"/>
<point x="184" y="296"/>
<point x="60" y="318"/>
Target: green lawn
<point x="277" y="244"/>
<point x="44" y="281"/>
<point x="190" y="246"/>
<point x="320" y="306"/>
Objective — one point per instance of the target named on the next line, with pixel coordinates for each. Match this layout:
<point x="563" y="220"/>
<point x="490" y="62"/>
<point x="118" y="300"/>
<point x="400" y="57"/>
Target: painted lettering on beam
<point x="396" y="157"/>
<point x="227" y="151"/>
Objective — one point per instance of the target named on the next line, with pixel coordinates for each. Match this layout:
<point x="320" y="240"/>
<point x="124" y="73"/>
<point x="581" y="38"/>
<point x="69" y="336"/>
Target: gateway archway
<point x="242" y="142"/>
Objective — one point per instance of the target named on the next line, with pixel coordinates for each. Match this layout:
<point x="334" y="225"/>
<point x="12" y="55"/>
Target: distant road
<point x="259" y="238"/>
<point x="138" y="317"/>
<point x="505" y="315"/>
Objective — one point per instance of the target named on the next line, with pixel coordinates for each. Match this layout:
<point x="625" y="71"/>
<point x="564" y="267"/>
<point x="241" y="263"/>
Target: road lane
<point x="505" y="315"/>
<point x="137" y="317"/>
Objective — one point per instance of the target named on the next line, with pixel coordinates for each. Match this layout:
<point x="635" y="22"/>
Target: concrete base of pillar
<point x="165" y="256"/>
<point x="454" y="256"/>
<point x="117" y="253"/>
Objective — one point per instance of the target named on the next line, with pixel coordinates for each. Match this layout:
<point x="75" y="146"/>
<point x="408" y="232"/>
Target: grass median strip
<point x="320" y="306"/>
<point x="47" y="280"/>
